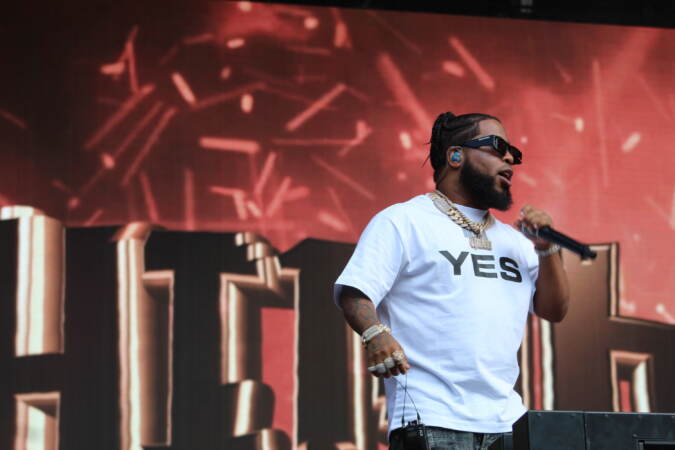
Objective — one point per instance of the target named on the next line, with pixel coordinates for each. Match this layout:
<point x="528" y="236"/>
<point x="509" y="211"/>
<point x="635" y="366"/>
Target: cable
<point x="405" y="393"/>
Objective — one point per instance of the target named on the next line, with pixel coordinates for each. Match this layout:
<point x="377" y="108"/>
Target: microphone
<point x="549" y="234"/>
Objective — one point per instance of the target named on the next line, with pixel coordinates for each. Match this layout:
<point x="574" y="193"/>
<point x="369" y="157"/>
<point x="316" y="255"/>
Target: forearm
<point x="552" y="296"/>
<point x="384" y="355"/>
<point x="358" y="310"/>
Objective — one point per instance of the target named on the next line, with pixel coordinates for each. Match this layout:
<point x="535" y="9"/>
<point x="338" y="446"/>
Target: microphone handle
<point x="564" y="241"/>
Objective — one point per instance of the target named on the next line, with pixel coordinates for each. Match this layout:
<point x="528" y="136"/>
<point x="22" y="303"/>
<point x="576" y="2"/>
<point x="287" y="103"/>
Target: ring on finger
<point x="372" y="369"/>
<point x="380" y="368"/>
<point x="389" y="362"/>
<point x="398" y="356"/>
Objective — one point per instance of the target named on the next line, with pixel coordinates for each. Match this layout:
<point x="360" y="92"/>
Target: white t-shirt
<point x="459" y="313"/>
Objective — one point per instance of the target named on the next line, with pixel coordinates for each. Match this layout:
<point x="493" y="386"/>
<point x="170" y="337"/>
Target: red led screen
<point x="300" y="122"/>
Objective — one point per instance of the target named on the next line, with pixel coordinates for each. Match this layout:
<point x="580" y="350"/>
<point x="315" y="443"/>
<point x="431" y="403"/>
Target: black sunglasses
<point x="498" y="144"/>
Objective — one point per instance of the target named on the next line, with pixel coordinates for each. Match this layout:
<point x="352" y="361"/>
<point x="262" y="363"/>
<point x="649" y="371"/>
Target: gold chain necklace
<point x="479" y="240"/>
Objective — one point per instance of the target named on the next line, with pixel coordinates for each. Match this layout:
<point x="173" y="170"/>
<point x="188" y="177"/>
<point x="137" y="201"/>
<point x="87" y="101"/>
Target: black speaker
<point x="549" y="430"/>
<point x="630" y="431"/>
<point x="574" y="430"/>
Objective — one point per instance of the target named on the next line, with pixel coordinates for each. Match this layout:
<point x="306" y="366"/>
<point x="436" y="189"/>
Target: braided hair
<point x="449" y="130"/>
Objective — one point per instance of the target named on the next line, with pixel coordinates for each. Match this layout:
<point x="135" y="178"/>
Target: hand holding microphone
<point x="538" y="226"/>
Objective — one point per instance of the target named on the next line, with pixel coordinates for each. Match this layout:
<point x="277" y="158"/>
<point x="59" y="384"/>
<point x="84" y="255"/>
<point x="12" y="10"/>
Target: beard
<point x="481" y="188"/>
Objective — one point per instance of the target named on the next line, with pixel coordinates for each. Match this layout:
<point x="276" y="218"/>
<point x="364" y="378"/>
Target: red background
<point x="590" y="106"/>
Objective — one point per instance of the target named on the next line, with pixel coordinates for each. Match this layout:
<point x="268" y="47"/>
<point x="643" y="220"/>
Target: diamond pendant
<point x="480" y="242"/>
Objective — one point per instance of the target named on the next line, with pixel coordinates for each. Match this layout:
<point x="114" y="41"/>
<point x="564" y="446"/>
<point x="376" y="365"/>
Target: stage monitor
<point x="575" y="430"/>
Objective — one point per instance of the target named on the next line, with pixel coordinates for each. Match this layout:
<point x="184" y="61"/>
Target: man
<point x="440" y="291"/>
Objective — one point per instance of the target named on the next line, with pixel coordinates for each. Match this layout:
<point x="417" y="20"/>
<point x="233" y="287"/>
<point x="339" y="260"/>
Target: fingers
<point x="533" y="218"/>
<point x="387" y="363"/>
<point x="377" y="369"/>
<point x="399" y="363"/>
<point x="390" y="364"/>
<point x="375" y="365"/>
<point x="402" y="364"/>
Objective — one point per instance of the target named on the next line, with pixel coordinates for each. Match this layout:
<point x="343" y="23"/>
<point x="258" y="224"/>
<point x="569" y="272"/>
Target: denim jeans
<point x="445" y="439"/>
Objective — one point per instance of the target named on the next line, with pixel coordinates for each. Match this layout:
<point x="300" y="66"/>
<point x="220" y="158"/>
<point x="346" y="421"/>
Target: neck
<point x="459" y="196"/>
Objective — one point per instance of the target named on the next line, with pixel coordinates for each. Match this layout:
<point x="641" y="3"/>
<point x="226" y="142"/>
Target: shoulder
<point x="407" y="210"/>
<point x="400" y="217"/>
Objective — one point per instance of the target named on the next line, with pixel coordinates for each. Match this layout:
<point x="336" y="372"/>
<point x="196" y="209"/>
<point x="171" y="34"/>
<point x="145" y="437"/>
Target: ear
<point x="454" y="156"/>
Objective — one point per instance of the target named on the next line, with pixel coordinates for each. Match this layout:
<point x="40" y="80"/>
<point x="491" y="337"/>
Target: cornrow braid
<point x="449" y="130"/>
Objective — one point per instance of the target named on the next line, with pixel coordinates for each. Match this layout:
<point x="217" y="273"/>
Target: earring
<point x="456" y="157"/>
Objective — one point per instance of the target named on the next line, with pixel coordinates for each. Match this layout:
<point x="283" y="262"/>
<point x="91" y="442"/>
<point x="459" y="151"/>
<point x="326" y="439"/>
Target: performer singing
<point x="440" y="290"/>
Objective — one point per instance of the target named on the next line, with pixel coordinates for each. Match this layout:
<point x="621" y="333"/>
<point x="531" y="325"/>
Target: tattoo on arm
<point x="359" y="310"/>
